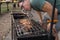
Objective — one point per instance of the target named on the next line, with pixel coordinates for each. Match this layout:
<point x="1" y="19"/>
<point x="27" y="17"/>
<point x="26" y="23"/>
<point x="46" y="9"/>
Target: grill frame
<point x="28" y="37"/>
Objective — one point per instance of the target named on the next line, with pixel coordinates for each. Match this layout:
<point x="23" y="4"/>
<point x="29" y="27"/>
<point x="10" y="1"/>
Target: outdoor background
<point x="5" y="18"/>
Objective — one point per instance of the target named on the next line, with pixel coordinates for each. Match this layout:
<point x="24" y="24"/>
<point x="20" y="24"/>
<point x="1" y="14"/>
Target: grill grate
<point x="34" y="31"/>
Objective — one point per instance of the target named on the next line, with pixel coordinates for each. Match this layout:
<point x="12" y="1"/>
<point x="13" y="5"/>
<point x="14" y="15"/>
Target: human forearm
<point x="48" y="8"/>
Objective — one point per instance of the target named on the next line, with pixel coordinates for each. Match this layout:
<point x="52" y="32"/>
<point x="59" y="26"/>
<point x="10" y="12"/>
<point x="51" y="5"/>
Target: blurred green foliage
<point x="4" y="7"/>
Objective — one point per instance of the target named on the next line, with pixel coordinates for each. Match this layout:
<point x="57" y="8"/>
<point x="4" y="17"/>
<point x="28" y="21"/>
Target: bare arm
<point x="48" y="8"/>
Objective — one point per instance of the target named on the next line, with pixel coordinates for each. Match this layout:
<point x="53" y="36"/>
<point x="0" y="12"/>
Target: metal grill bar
<point x="20" y="30"/>
<point x="36" y="26"/>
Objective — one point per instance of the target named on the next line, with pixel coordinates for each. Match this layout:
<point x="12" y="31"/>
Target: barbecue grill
<point x="34" y="33"/>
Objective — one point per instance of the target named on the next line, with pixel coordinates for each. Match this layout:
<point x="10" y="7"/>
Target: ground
<point x="5" y="25"/>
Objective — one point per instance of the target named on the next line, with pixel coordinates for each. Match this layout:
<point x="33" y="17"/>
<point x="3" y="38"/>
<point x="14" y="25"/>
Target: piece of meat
<point x="27" y="24"/>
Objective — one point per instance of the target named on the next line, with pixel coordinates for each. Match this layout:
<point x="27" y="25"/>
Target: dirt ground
<point x="5" y="25"/>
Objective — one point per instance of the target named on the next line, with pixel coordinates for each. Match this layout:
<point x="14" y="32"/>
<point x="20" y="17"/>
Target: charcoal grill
<point x="35" y="33"/>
